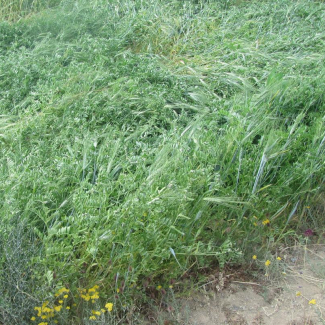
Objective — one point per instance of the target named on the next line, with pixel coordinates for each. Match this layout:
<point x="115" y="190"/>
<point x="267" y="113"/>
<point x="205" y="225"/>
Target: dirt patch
<point x="296" y="297"/>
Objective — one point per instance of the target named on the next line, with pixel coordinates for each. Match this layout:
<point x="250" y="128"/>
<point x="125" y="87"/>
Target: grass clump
<point x="140" y="141"/>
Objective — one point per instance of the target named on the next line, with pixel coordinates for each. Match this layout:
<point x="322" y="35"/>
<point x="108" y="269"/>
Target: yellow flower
<point x="109" y="306"/>
<point x="312" y="302"/>
<point x="117" y="290"/>
<point x="255" y="224"/>
<point x="57" y="308"/>
<point x="159" y="287"/>
<point x="85" y="297"/>
<point x="33" y="318"/>
<point x="92" y="317"/>
<point x="95" y="312"/>
<point x="170" y="287"/>
<point x="279" y="258"/>
<point x="60" y="301"/>
<point x="254" y="257"/>
<point x="92" y="290"/>
<point x="47" y="310"/>
<point x="266" y="222"/>
<point x="74" y="305"/>
<point x="65" y="296"/>
<point x="61" y="291"/>
<point x="267" y="263"/>
<point x="45" y="303"/>
<point x="95" y="296"/>
<point x="298" y="293"/>
<point x="68" y="307"/>
<point x="43" y="323"/>
<point x="103" y="310"/>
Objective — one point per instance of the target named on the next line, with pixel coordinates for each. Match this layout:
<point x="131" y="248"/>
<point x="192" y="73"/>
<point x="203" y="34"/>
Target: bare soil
<point x="277" y="299"/>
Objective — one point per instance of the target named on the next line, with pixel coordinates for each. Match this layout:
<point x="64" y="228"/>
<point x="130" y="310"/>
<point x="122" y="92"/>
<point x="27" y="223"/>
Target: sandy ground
<point x="280" y="299"/>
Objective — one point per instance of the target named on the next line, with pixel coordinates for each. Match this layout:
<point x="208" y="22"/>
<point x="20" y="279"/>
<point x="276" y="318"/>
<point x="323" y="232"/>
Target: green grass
<point x="146" y="140"/>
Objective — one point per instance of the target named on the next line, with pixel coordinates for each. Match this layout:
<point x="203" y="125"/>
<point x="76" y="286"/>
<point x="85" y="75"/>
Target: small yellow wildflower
<point x="33" y="318"/>
<point x="57" y="308"/>
<point x="95" y="296"/>
<point x="93" y="301"/>
<point x="47" y="310"/>
<point x="43" y="316"/>
<point x="95" y="312"/>
<point x="170" y="287"/>
<point x="266" y="222"/>
<point x="109" y="306"/>
<point x="61" y="291"/>
<point x="159" y="287"/>
<point x="307" y="207"/>
<point x="43" y="323"/>
<point x="267" y="263"/>
<point x="65" y="296"/>
<point x="117" y="290"/>
<point x="255" y="224"/>
<point x="103" y="310"/>
<point x="68" y="307"/>
<point x="312" y="302"/>
<point x="74" y="305"/>
<point x="254" y="257"/>
<point x="92" y="317"/>
<point x="298" y="294"/>
<point x="85" y="297"/>
<point x="279" y="258"/>
<point x="60" y="301"/>
<point x="92" y="290"/>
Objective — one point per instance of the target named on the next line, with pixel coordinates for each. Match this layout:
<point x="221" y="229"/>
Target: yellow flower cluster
<point x="46" y="312"/>
<point x="90" y="294"/>
<point x="108" y="306"/>
<point x="61" y="291"/>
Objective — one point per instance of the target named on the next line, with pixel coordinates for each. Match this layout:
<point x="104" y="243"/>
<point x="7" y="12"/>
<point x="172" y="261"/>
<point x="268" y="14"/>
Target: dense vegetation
<point x="142" y="140"/>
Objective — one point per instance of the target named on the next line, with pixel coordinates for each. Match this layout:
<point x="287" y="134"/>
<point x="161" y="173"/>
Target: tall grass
<point x="142" y="140"/>
<point x="15" y="9"/>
